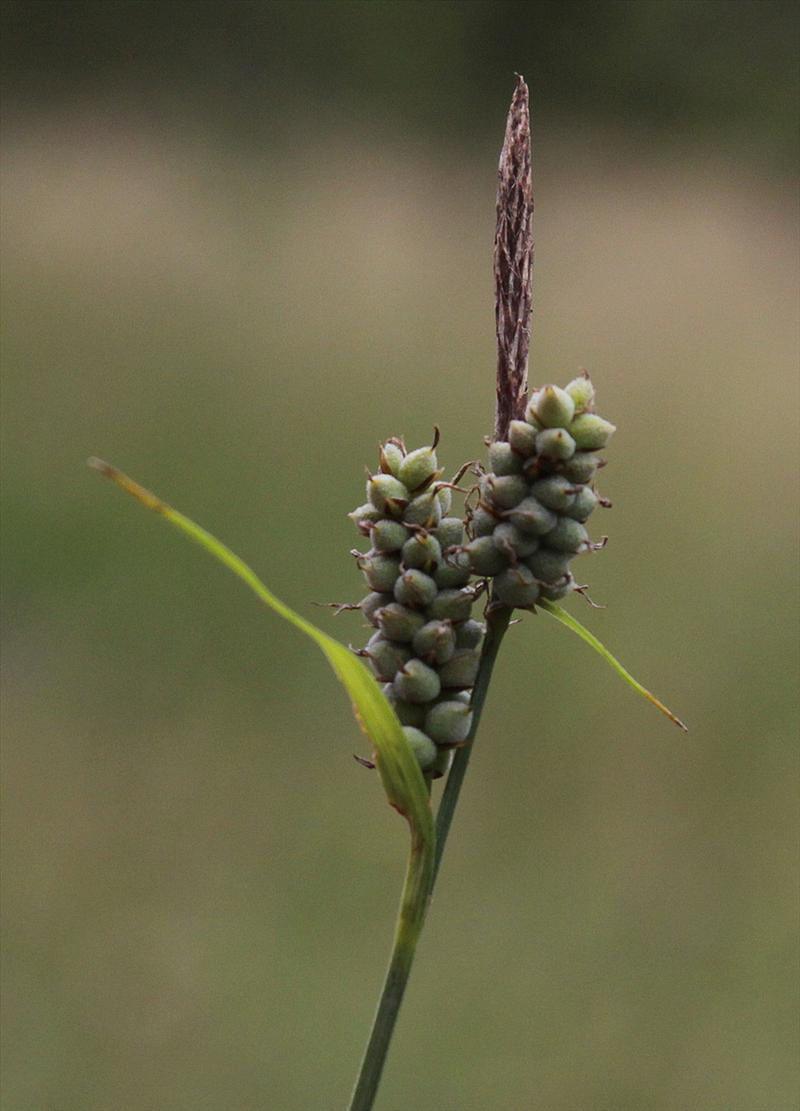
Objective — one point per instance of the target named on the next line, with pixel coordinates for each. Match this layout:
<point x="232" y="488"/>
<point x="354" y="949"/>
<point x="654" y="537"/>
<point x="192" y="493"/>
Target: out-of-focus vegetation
<point x="722" y="69"/>
<point x="241" y="244"/>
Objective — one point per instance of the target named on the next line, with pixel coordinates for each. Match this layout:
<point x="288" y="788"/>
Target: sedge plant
<point x="442" y="586"/>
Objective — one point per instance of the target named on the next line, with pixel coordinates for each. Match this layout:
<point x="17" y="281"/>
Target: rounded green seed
<point x="549" y="566"/>
<point x="454" y="605"/>
<point x="422" y="551"/>
<point x="399" y="623"/>
<point x="416" y="682"/>
<point x="422" y="746"/>
<point x="435" y="642"/>
<point x="505" y="491"/>
<point x="567" y="536"/>
<point x="415" y="588"/>
<point x="591" y="432"/>
<point x="522" y="437"/>
<point x="444" y="496"/>
<point x="482" y="522"/>
<point x="364" y="517"/>
<point x="555" y="443"/>
<point x="444" y="760"/>
<point x="424" y="510"/>
<point x="448" y="723"/>
<point x="584" y="504"/>
<point x="553" y="407"/>
<point x="453" y="571"/>
<point x="387" y="494"/>
<point x="532" y="518"/>
<point x="387" y="535"/>
<point x="449" y="532"/>
<point x="408" y="713"/>
<point x="370" y="605"/>
<point x="555" y="491"/>
<point x="516" y="587"/>
<point x="380" y="570"/>
<point x="385" y="657"/>
<point x="581" y="391"/>
<point x="513" y="543"/>
<point x="418" y="467"/>
<point x="530" y="412"/>
<point x="553" y="591"/>
<point x="485" y="557"/>
<point x="469" y="634"/>
<point x="581" y="467"/>
<point x="391" y="457"/>
<point x="502" y="460"/>
<point x="461" y="669"/>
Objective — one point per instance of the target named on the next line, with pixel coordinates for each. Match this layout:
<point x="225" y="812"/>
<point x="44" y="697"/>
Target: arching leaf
<point x="399" y="771"/>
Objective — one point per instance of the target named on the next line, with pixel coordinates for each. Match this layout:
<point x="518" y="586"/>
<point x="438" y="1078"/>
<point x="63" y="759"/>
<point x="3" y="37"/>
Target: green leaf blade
<point x="398" y="768"/>
<point x="572" y="623"/>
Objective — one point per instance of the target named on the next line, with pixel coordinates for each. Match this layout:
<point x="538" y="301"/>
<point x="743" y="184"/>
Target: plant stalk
<point x="497" y="621"/>
<point x="513" y="272"/>
<point x="420" y="877"/>
<point x="413" y="905"/>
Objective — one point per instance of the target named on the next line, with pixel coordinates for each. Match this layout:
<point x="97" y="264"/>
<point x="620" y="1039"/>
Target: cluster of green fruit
<point x="426" y="648"/>
<point x="536" y="496"/>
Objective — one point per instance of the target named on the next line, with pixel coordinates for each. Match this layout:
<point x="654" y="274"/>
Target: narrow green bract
<point x="394" y="757"/>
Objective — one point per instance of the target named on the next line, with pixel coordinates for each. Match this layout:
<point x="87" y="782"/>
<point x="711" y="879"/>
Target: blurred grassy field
<point x="200" y="883"/>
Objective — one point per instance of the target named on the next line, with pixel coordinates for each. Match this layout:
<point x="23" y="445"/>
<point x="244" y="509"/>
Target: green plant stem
<point x="497" y="622"/>
<point x="420" y="877"/>
<point x="413" y="905"/>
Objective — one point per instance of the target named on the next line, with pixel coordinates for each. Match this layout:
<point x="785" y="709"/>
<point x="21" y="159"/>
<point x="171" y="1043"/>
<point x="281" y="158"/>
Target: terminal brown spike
<point x="513" y="263"/>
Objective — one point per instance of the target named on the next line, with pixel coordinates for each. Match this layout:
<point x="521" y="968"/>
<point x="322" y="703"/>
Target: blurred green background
<point x="242" y="243"/>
